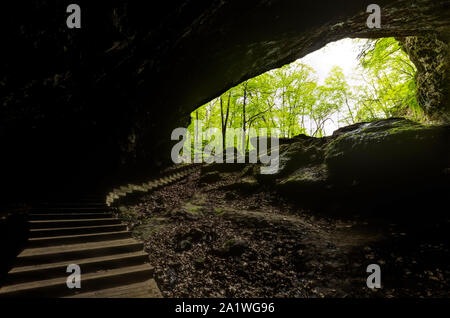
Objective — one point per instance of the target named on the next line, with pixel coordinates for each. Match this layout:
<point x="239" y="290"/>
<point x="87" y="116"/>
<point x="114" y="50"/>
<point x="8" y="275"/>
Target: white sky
<point x="342" y="53"/>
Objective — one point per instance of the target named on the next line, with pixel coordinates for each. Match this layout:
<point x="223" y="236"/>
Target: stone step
<point x="45" y="255"/>
<point x="56" y="287"/>
<point x="130" y="191"/>
<point x="28" y="273"/>
<point x="89" y="235"/>
<point x="79" y="203"/>
<point x="147" y="289"/>
<point x="66" y="216"/>
<point x="80" y="238"/>
<point x="46" y="224"/>
<point x="81" y="209"/>
<point x="76" y="230"/>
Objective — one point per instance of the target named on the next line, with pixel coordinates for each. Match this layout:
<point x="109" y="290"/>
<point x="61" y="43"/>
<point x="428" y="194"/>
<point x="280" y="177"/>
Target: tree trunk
<point x="224" y="121"/>
<point x="244" y="123"/>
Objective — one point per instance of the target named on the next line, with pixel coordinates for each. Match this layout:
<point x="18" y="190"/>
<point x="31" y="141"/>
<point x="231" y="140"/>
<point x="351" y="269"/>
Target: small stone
<point x="184" y="245"/>
<point x="199" y="262"/>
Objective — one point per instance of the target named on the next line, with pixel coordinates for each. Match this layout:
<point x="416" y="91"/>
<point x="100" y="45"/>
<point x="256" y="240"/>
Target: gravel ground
<point x="207" y="241"/>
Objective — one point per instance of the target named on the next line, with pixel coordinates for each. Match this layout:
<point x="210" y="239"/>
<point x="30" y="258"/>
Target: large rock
<point x="392" y="147"/>
<point x="385" y="159"/>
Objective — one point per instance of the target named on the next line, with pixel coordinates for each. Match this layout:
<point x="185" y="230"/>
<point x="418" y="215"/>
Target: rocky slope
<point x="380" y="162"/>
<point x="211" y="239"/>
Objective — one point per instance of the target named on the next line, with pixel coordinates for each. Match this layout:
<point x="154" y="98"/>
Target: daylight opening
<point x="348" y="81"/>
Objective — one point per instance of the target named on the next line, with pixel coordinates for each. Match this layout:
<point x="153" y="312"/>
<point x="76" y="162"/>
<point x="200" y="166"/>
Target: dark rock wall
<point x="97" y="105"/>
<point x="431" y="57"/>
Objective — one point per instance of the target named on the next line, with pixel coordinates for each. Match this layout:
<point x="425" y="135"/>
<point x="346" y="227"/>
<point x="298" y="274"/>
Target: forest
<point x="293" y="100"/>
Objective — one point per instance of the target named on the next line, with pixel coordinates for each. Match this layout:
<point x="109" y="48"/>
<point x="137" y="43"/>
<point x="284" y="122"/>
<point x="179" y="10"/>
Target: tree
<point x="339" y="93"/>
<point x="389" y="76"/>
<point x="290" y="98"/>
<point x="224" y="119"/>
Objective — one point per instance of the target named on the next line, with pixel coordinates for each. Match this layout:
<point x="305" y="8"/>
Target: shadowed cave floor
<point x="209" y="241"/>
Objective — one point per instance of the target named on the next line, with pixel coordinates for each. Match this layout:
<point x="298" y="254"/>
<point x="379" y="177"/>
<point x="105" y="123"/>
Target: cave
<point x="86" y="111"/>
<point x="95" y="105"/>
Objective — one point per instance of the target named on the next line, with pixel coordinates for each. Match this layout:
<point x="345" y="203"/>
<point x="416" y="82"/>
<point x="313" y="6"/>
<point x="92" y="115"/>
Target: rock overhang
<point x="99" y="104"/>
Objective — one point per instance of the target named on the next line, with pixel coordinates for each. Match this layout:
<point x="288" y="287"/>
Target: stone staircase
<point x="87" y="234"/>
<point x="132" y="191"/>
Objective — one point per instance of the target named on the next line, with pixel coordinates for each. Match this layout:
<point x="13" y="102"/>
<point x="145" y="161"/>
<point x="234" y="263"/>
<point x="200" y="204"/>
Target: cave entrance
<point x="345" y="82"/>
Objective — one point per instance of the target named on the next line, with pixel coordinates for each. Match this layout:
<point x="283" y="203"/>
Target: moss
<point x="128" y="214"/>
<point x="306" y="179"/>
<point x="219" y="211"/>
<point x="194" y="209"/>
<point x="247" y="184"/>
<point x="228" y="244"/>
<point x="394" y="146"/>
<point x="199" y="262"/>
<point x="430" y="56"/>
<point x="367" y="136"/>
<point x="149" y="227"/>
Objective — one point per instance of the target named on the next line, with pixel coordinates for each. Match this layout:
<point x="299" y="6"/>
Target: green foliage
<point x="291" y="99"/>
<point x="389" y="78"/>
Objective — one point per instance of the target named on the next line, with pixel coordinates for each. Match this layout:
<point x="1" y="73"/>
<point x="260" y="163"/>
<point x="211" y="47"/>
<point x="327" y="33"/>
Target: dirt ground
<point x="206" y="240"/>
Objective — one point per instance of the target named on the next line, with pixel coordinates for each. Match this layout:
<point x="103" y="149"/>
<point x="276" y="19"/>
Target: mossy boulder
<point x="303" y="151"/>
<point x="387" y="149"/>
<point x="391" y="160"/>
<point x="387" y="158"/>
<point x="307" y="179"/>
